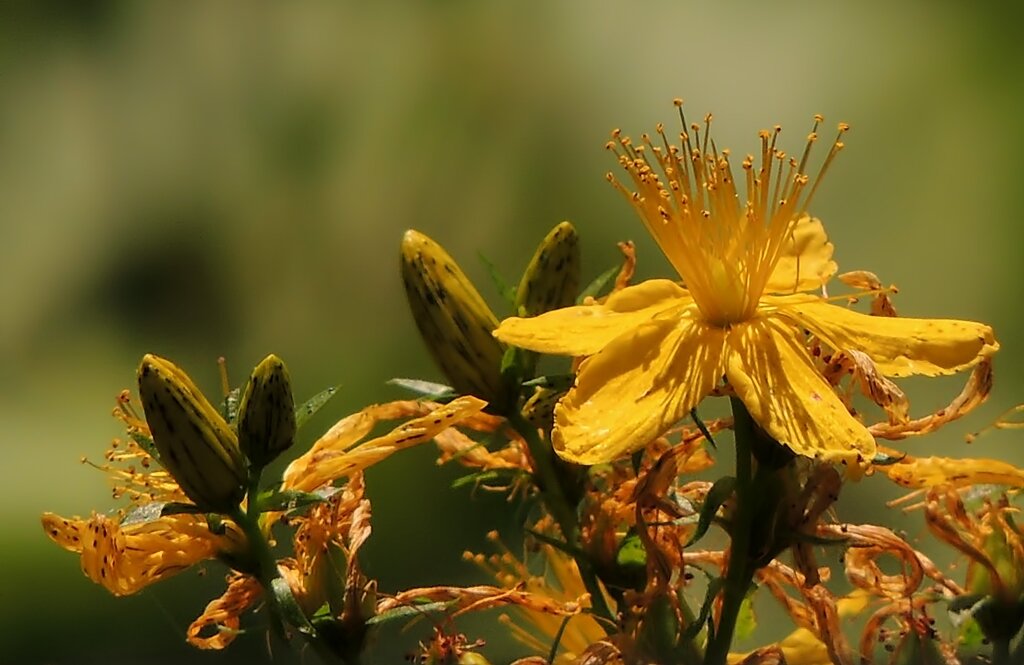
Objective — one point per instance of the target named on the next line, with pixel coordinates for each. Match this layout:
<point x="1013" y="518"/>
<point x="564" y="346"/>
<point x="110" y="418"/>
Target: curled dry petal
<point x="974" y="392"/>
<point x="223" y="614"/>
<point x="482" y="597"/>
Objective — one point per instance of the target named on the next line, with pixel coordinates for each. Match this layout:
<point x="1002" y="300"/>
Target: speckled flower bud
<point x="552" y="279"/>
<point x="196" y="445"/>
<point x="266" y="413"/>
<point x="452" y="318"/>
<point x="539" y="410"/>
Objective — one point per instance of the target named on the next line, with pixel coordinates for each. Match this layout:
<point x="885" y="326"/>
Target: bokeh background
<point x="206" y="179"/>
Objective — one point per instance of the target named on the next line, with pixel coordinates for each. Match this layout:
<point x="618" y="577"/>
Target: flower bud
<point x="196" y="445"/>
<point x="266" y="413"/>
<point x="539" y="410"/>
<point x="453" y="319"/>
<point x="552" y="279"/>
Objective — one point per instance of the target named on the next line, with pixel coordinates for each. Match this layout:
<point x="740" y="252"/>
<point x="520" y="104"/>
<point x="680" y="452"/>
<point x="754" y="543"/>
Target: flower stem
<point x="1001" y="652"/>
<point x="740" y="572"/>
<point x="554" y="496"/>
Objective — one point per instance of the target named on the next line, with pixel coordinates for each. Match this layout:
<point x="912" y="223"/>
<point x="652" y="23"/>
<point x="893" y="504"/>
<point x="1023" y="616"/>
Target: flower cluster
<point x="642" y="544"/>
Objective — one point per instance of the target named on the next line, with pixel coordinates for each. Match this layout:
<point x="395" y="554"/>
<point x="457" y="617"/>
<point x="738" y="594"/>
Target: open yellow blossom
<point x="743" y="313"/>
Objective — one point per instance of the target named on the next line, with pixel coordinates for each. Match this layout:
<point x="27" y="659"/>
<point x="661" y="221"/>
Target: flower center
<point x="724" y="247"/>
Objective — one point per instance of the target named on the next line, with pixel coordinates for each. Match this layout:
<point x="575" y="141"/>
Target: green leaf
<point x="290" y="610"/>
<point x="714" y="586"/>
<point x="287" y="500"/>
<point x="424" y="389"/>
<point x="508" y="293"/>
<point x="406" y="611"/>
<point x="473" y="478"/>
<point x="882" y="459"/>
<point x="971" y="636"/>
<point x="156" y="509"/>
<point x="574" y="552"/>
<point x="717" y="495"/>
<point x="554" y="381"/>
<point x="595" y="287"/>
<point x="632" y="553"/>
<point x="703" y="428"/>
<point x="146" y="443"/>
<point x="746" y="620"/>
<point x="965" y="602"/>
<point x="305" y="411"/>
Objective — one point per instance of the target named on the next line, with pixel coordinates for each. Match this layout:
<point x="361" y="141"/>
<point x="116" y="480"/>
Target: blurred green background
<point x="206" y="179"/>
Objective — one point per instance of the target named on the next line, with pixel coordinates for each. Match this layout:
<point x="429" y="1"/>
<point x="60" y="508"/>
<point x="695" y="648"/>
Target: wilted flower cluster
<point x="654" y="535"/>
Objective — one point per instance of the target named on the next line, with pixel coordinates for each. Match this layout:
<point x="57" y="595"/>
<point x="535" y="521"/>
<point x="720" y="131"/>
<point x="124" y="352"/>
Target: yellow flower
<point x="126" y="555"/>
<point x="657" y="348"/>
<point x="559" y="585"/>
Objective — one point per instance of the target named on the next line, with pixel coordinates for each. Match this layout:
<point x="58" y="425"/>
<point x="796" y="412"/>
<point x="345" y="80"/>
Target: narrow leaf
<point x="631" y="552"/>
<point x="714" y="586"/>
<point x="703" y="428"/>
<point x="595" y="287"/>
<point x="280" y="501"/>
<point x="406" y="611"/>
<point x="306" y="410"/>
<point x="425" y="389"/>
<point x="508" y="293"/>
<point x="717" y="495"/>
<point x="290" y="609"/>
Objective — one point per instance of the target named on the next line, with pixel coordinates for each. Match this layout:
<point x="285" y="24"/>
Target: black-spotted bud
<point x="453" y="319"/>
<point x="266" y="413"/>
<point x="552" y="279"/>
<point x="539" y="410"/>
<point x="195" y="443"/>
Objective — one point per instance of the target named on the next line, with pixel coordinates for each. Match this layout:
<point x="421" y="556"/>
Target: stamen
<point x="225" y="384"/>
<point x="837" y="145"/>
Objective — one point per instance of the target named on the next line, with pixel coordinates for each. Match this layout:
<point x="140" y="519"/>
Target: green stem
<point x="554" y="496"/>
<point x="1001" y="652"/>
<point x="266" y="565"/>
<point x="740" y="572"/>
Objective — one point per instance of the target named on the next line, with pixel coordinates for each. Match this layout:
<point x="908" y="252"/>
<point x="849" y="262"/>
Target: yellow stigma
<point x="722" y="246"/>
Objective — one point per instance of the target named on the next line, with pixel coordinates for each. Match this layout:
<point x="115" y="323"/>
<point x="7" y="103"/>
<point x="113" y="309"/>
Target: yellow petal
<point x="931" y="471"/>
<point x="584" y="330"/>
<point x="806" y="262"/>
<point x="899" y="346"/>
<point x="636" y="388"/>
<point x="773" y="374"/>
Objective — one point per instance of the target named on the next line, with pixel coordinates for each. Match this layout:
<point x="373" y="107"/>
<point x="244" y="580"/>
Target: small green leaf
<point x="473" y="478"/>
<point x="146" y="443"/>
<point x="746" y="620"/>
<point x="425" y="389"/>
<point x="882" y="459"/>
<point x="714" y="586"/>
<point x="156" y="509"/>
<point x="508" y="293"/>
<point x="717" y="495"/>
<point x="406" y="611"/>
<point x="631" y="552"/>
<point x="554" y="381"/>
<point x="290" y="609"/>
<point x="971" y="636"/>
<point x="306" y="410"/>
<point x="595" y="287"/>
<point x="965" y="602"/>
<point x="286" y="500"/>
<point x="557" y="544"/>
<point x="703" y="428"/>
